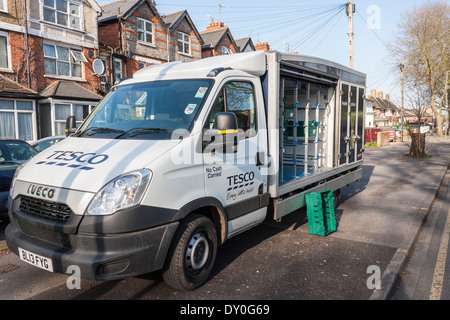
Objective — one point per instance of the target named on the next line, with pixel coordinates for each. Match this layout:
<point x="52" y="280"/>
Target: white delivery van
<point x="183" y="156"/>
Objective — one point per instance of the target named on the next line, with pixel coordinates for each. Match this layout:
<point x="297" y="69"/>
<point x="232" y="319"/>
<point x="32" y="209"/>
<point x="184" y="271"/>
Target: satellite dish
<point x="98" y="66"/>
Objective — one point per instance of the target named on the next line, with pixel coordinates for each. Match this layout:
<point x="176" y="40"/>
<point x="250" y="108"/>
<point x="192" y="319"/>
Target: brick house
<point x="245" y="45"/>
<point x="47" y="47"/>
<point x="218" y="40"/>
<point x="133" y="35"/>
<point x="380" y="111"/>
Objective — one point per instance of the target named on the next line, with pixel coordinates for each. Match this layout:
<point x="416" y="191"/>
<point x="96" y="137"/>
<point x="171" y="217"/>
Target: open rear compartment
<point x="306" y="116"/>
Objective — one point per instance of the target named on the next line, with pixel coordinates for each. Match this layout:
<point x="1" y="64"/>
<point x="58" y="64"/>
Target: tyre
<point x="192" y="253"/>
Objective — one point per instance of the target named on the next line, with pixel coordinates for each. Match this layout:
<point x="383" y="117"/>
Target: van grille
<point x="68" y="241"/>
<point x="47" y="210"/>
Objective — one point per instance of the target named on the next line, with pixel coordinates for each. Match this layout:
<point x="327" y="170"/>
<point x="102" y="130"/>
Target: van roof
<point x="251" y="62"/>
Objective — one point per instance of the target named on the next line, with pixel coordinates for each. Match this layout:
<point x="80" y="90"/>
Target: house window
<point x="3" y="5"/>
<point x="117" y="70"/>
<point x="145" y="30"/>
<point x="63" y="12"/>
<point x="226" y="50"/>
<point x="62" y="61"/>
<point x="64" y="110"/>
<point x="16" y="119"/>
<point x="4" y="51"/>
<point x="184" y="43"/>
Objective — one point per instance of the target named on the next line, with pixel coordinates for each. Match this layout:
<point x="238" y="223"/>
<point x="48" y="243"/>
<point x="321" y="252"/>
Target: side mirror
<point x="224" y="137"/>
<point x="71" y="125"/>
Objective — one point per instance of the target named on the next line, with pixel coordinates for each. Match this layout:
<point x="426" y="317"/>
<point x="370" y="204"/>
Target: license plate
<point x="36" y="260"/>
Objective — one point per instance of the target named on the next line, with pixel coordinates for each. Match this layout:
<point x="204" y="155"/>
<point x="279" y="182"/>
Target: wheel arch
<point x="211" y="208"/>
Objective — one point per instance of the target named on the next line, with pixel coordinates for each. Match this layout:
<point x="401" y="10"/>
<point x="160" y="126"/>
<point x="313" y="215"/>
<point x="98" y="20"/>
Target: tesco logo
<point x="79" y="156"/>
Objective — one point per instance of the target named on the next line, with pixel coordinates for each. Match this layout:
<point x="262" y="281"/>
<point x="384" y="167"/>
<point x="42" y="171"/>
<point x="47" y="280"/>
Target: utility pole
<point x="402" y="67"/>
<point x="350" y="10"/>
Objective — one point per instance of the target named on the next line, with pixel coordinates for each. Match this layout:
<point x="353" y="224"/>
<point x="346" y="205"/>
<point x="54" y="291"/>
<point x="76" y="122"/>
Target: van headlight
<point x="122" y="192"/>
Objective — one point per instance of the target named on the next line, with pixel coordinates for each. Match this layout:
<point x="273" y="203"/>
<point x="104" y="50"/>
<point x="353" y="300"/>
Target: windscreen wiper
<point x="139" y="131"/>
<point x="94" y="130"/>
<point x="9" y="162"/>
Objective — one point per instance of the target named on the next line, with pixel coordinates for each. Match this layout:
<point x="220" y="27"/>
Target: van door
<point x="351" y="124"/>
<point x="239" y="179"/>
<point x="344" y="119"/>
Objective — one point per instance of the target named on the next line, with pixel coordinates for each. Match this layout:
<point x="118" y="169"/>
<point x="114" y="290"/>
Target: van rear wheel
<point x="192" y="253"/>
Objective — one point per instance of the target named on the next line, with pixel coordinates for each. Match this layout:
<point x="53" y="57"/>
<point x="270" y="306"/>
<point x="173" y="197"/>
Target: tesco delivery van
<point x="183" y="156"/>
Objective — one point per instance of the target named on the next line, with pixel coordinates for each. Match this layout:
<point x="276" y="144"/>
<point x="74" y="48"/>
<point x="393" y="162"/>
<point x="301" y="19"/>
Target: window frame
<point x="4" y="5"/>
<point x="16" y="111"/>
<point x="115" y="78"/>
<point x="145" y="31"/>
<point x="72" y="60"/>
<point x="181" y="39"/>
<point x="210" y="119"/>
<point x="8" y="51"/>
<point x="72" y="106"/>
<point x="80" y="17"/>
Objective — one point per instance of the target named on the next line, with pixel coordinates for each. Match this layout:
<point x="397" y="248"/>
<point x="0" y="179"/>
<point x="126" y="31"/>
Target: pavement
<point x="398" y="194"/>
<point x="378" y="222"/>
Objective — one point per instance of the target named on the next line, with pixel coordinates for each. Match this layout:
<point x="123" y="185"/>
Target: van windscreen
<point x="148" y="110"/>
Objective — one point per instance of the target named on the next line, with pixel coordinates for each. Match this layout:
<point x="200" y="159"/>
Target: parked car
<point x="44" y="143"/>
<point x="12" y="154"/>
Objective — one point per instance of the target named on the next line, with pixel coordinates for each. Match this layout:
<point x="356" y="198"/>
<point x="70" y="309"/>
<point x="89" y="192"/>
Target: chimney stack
<point x="380" y="94"/>
<point x="264" y="46"/>
<point x="388" y="96"/>
<point x="373" y="93"/>
<point x="214" y="25"/>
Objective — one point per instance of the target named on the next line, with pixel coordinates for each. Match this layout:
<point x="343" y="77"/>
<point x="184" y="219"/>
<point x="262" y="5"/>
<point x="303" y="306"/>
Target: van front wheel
<point x="192" y="254"/>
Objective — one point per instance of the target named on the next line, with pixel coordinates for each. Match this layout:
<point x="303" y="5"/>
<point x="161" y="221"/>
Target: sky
<point x="312" y="27"/>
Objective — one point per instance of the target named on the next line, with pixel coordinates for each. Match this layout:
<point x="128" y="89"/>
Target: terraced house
<point x="133" y="35"/>
<point x="47" y="53"/>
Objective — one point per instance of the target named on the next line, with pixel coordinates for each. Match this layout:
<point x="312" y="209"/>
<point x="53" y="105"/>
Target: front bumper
<point x="99" y="255"/>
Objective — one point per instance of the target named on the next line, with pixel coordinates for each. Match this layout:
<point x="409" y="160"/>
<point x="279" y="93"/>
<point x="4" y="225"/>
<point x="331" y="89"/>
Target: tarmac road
<point x="378" y="220"/>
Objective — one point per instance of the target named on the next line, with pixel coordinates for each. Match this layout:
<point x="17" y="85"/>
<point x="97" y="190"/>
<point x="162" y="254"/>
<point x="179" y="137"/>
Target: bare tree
<point x="423" y="44"/>
<point x="418" y="99"/>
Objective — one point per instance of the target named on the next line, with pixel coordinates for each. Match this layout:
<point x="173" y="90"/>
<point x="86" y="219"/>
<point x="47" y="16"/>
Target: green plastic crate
<point x="320" y="212"/>
<point x="289" y="128"/>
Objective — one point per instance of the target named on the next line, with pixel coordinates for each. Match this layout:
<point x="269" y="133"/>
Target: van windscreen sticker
<point x="74" y="159"/>
<point x="201" y="92"/>
<point x="190" y="108"/>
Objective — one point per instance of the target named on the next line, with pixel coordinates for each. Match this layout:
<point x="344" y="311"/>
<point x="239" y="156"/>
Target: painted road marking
<point x="438" y="277"/>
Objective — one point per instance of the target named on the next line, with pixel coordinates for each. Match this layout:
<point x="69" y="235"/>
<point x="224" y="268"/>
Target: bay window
<point x="16" y="119"/>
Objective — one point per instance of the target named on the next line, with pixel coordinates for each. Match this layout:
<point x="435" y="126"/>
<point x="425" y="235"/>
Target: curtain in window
<point x="25" y="126"/>
<point x="7" y="129"/>
<point x="3" y="52"/>
<point x="62" y="111"/>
